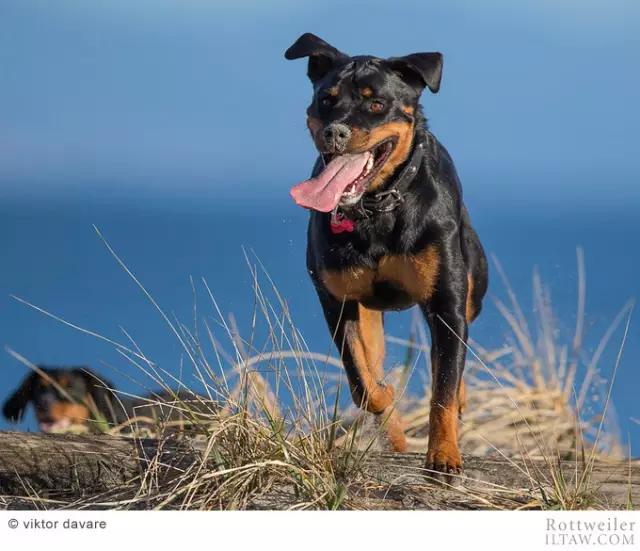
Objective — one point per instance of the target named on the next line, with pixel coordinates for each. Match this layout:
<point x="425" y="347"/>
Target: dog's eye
<point x="376" y="106"/>
<point x="327" y="101"/>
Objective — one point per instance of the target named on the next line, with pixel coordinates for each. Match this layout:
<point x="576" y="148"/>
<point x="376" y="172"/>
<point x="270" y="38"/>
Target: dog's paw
<point x="444" y="460"/>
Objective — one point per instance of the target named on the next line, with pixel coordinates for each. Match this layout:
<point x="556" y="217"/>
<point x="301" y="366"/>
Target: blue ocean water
<point x="53" y="258"/>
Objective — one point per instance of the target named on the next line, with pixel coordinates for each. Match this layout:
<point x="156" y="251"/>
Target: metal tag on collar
<point x="392" y="199"/>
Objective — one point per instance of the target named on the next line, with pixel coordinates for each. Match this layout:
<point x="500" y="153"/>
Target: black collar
<point x="387" y="200"/>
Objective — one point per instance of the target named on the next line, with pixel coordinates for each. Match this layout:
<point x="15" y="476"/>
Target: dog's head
<point x="362" y="118"/>
<point x="61" y="397"/>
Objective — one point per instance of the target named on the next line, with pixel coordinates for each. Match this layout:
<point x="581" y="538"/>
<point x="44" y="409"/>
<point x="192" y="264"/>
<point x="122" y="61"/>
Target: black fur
<point x="83" y="386"/>
<point x="34" y="388"/>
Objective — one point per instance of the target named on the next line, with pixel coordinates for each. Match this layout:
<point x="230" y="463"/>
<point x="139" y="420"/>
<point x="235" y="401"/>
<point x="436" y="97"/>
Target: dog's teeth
<point x="369" y="163"/>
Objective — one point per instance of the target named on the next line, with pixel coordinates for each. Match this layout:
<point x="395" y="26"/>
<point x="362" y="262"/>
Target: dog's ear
<point x="322" y="56"/>
<point x="419" y="70"/>
<point x="14" y="407"/>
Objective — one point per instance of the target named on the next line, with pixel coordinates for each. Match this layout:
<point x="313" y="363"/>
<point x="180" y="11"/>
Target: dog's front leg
<point x="446" y="317"/>
<point x="359" y="336"/>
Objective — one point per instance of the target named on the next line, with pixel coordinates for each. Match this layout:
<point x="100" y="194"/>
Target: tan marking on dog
<point x="417" y="275"/>
<point x="470" y="308"/>
<point x="365" y="339"/>
<point x="77" y="414"/>
<point x="333" y="91"/>
<point x="443" y="452"/>
<point x="365" y="140"/>
<point x="350" y="284"/>
<point x="443" y="448"/>
<point x="408" y="109"/>
<point x="462" y="398"/>
<point x="359" y="140"/>
<point x="315" y="128"/>
<point x="366" y="92"/>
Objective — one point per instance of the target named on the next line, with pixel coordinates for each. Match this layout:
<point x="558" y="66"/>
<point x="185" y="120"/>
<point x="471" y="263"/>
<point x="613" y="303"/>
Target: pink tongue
<point x="324" y="191"/>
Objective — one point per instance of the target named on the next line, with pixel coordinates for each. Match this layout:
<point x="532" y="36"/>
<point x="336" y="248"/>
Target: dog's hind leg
<point x="462" y="398"/>
<point x="477" y="269"/>
<point x="359" y="335"/>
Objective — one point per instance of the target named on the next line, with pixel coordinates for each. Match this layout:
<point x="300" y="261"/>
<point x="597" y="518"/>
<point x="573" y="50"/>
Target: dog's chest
<point x="396" y="282"/>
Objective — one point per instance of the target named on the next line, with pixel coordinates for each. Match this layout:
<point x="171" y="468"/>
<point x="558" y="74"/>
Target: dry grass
<point x="269" y="420"/>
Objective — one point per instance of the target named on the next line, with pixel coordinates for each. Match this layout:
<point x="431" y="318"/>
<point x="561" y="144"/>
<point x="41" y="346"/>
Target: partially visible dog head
<point x="364" y="109"/>
<point x="61" y="397"/>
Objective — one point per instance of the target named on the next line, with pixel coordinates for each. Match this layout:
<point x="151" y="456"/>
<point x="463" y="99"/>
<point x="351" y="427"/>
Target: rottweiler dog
<point x="61" y="397"/>
<point x="64" y="397"/>
<point x="388" y="230"/>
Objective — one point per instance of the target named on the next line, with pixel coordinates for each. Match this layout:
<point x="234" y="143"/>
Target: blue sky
<point x="194" y="97"/>
<point x="124" y="104"/>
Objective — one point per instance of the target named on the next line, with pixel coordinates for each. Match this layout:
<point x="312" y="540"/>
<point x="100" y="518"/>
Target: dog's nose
<point x="337" y="136"/>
